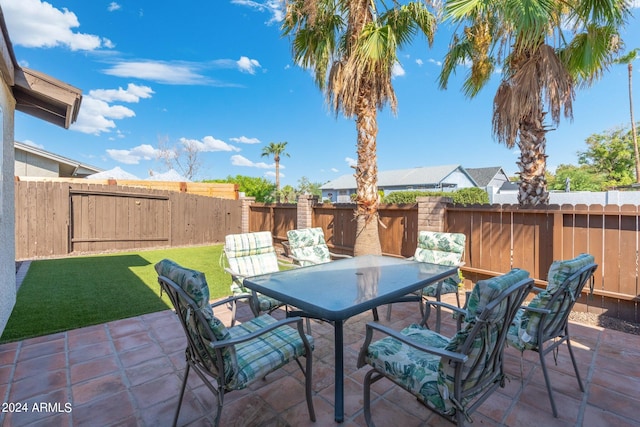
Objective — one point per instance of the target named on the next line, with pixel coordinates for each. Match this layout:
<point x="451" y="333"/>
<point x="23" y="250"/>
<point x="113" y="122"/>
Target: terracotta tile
<point x="95" y="368"/>
<point x="40" y="365"/>
<point x="299" y="414"/>
<point x="97" y="388"/>
<point x="617" y="403"/>
<point x="158" y="390"/>
<point x="385" y="413"/>
<point x="162" y="414"/>
<point x="45" y="409"/>
<point x="144" y="372"/>
<point x="251" y="410"/>
<point x="79" y="338"/>
<point x="597" y="417"/>
<point x="44" y="383"/>
<point x="39" y="349"/>
<point x="536" y="396"/>
<point x="523" y="415"/>
<point x="130" y="342"/>
<point x="140" y="354"/>
<point x="91" y="352"/>
<point x="107" y="409"/>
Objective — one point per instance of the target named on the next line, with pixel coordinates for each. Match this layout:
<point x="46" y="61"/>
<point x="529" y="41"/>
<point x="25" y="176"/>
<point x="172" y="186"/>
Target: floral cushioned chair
<point x="308" y="247"/>
<point x="451" y="376"/>
<point x="543" y="325"/>
<point x="438" y="248"/>
<point x="235" y="357"/>
<point x="247" y="255"/>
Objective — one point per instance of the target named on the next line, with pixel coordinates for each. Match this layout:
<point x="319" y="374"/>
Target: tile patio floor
<point x="128" y="373"/>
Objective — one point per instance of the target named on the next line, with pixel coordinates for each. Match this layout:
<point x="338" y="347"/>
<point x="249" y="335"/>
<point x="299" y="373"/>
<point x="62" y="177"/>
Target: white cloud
<point x="273" y="7"/>
<point x="433" y="61"/>
<point x="238" y="160"/>
<point x="635" y="4"/>
<point x="165" y="72"/>
<point x="419" y="62"/>
<point x="208" y="144"/>
<point x="135" y="155"/>
<point x="133" y="93"/>
<point x="247" y="65"/>
<point x="113" y="6"/>
<point x="34" y="23"/>
<point x="96" y="116"/>
<point x="397" y="70"/>
<point x="244" y="140"/>
<point x="352" y="163"/>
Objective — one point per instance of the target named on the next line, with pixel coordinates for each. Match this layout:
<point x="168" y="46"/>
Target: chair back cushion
<point x="308" y="246"/>
<point x="523" y="333"/>
<point x="444" y="249"/>
<point x="250" y="254"/>
<point x="440" y="248"/>
<point x="194" y="284"/>
<point x="479" y="342"/>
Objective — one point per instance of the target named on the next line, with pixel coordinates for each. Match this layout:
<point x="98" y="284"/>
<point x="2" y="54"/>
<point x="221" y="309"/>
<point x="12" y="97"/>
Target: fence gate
<point x="117" y="220"/>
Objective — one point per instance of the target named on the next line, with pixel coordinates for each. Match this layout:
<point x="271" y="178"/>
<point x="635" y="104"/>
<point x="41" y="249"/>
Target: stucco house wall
<point x="7" y="218"/>
<point x="29" y="165"/>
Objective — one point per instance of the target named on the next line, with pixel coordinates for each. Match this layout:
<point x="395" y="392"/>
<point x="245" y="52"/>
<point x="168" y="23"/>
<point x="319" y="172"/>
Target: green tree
<point x="276" y="149"/>
<point x="628" y="59"/>
<point x="351" y="46"/>
<point x="289" y="194"/>
<point x="541" y="62"/>
<point x="581" y="178"/>
<point x="610" y="154"/>
<point x="306" y="186"/>
<point x="259" y="188"/>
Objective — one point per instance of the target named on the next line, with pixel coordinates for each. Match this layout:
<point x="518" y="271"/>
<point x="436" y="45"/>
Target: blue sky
<point x="220" y="74"/>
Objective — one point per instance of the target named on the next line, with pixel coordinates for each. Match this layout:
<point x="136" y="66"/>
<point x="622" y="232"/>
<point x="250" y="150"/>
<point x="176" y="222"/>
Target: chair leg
<point x="182" y="389"/>
<point x="575" y="365"/>
<point x="308" y="384"/>
<point x="375" y="314"/>
<point x="367" y="395"/>
<point x="389" y="312"/>
<point x="548" y="383"/>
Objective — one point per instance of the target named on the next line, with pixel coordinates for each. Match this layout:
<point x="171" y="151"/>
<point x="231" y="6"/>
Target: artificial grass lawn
<point x="62" y="294"/>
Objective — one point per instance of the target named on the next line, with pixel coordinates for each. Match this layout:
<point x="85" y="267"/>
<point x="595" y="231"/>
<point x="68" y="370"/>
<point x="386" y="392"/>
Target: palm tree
<point x="276" y="149"/>
<point x="628" y="59"/>
<point x="351" y="47"/>
<point x="544" y="49"/>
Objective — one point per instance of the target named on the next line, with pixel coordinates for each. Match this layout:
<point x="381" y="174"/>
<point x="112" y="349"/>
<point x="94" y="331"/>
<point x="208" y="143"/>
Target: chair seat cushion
<point x="449" y="286"/>
<point x="414" y="370"/>
<point x="268" y="352"/>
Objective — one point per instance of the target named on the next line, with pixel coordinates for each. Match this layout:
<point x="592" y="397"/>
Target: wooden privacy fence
<point x="58" y="218"/>
<point x="500" y="238"/>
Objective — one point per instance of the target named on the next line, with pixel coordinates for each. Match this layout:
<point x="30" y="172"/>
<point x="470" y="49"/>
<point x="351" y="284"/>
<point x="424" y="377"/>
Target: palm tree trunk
<point x="367" y="236"/>
<point x="634" y="134"/>
<point x="277" y="160"/>
<point x="532" y="163"/>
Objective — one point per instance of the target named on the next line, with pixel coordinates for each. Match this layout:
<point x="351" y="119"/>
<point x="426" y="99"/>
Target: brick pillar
<point x="431" y="213"/>
<point x="305" y="210"/>
<point x="246" y="202"/>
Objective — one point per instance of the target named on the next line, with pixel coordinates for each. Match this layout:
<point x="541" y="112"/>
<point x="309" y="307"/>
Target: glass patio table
<point x="340" y="289"/>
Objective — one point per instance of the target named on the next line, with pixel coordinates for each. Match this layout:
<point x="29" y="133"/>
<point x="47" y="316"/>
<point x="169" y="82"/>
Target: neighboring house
<point x="38" y="95"/>
<point x="36" y="162"/>
<point x="428" y="178"/>
<point x="493" y="176"/>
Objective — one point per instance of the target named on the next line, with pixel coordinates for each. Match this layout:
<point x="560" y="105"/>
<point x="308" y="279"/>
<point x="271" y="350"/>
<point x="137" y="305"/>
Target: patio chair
<point x="234" y="357"/>
<point x="450" y="376"/>
<point x="307" y="246"/>
<point x="543" y="325"/>
<point x="247" y="255"/>
<point x="437" y="248"/>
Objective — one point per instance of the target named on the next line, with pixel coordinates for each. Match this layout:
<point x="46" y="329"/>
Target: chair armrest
<point x="256" y="334"/>
<point x="456" y="310"/>
<point x="234" y="274"/>
<point x="537" y="309"/>
<point x="371" y="327"/>
<point x="339" y="256"/>
<point x="230" y="299"/>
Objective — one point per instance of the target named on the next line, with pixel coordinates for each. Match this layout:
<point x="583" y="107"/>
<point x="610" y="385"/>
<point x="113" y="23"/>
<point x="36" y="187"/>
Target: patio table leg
<point x="339" y="370"/>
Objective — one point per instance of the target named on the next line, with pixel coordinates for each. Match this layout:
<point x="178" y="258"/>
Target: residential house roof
<point x="67" y="167"/>
<point x="421" y="176"/>
<point x="483" y="176"/>
<point x="36" y="93"/>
